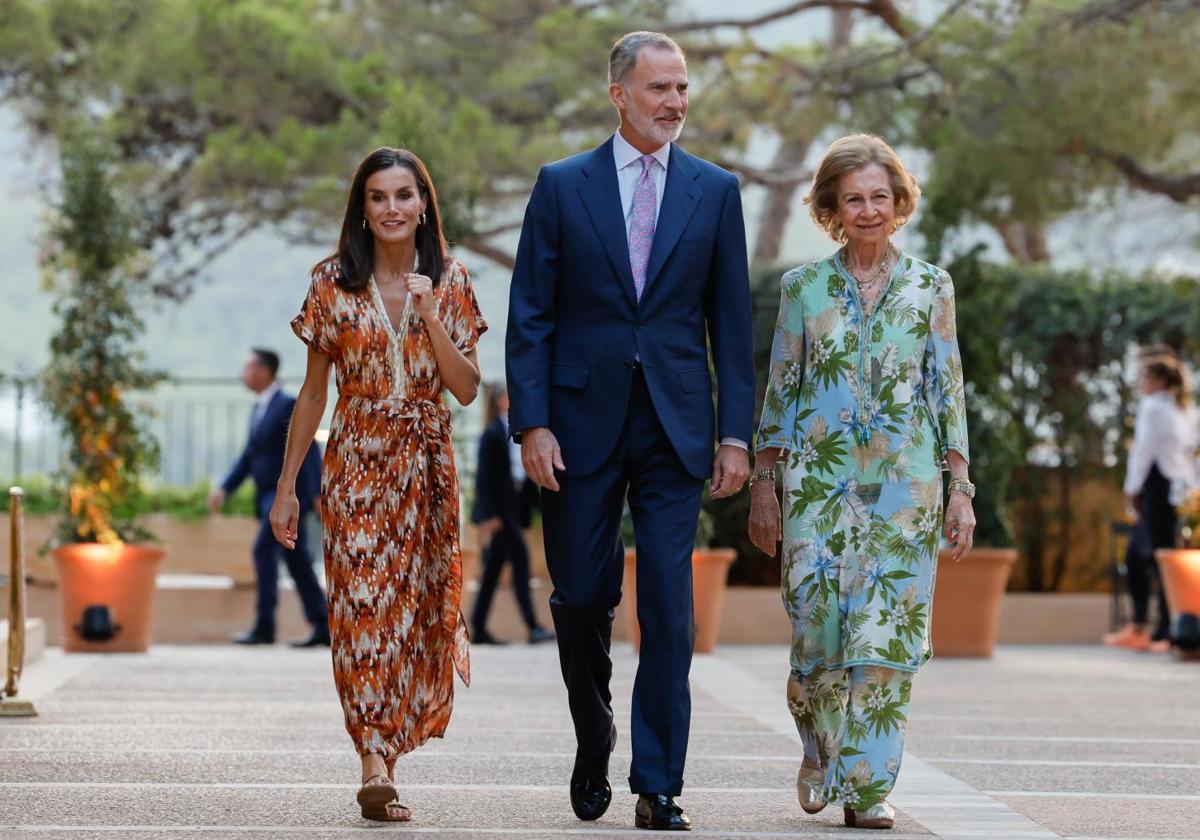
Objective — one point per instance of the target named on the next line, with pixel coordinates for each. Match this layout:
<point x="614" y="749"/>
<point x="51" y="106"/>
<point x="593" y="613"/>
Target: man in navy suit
<point x="631" y="268"/>
<point x="262" y="460"/>
<point x="505" y="499"/>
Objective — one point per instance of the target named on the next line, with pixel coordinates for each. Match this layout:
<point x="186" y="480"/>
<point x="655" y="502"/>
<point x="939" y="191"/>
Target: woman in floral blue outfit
<point x="863" y="412"/>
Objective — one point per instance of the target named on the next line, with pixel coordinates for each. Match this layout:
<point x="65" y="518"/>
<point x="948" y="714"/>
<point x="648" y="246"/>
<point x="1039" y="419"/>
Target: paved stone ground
<point x="207" y="742"/>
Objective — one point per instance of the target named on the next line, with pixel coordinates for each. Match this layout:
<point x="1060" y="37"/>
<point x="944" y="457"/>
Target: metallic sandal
<point x="879" y="815"/>
<point x="810" y="788"/>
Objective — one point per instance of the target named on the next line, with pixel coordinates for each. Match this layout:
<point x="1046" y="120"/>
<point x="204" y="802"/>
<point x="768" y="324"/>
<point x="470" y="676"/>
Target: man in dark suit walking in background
<point x="262" y="460"/>
<point x="504" y="502"/>
<point x="631" y="268"/>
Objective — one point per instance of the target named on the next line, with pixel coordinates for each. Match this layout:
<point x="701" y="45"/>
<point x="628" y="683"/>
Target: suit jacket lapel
<point x="680" y="198"/>
<point x="602" y="200"/>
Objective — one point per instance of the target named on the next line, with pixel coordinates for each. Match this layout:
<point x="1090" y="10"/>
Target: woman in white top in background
<point x="1159" y="473"/>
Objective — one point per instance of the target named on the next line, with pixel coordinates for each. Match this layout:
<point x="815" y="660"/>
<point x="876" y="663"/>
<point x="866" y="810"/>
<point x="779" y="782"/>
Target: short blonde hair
<point x="849" y="154"/>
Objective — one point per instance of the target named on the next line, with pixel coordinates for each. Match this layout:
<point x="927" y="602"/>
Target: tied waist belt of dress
<point x="430" y="413"/>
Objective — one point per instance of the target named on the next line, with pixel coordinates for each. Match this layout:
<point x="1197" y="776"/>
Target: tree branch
<point x="488" y="251"/>
<point x="177" y="285"/>
<point x="762" y="177"/>
<point x="771" y="17"/>
<point x="507" y="227"/>
<point x="1178" y="188"/>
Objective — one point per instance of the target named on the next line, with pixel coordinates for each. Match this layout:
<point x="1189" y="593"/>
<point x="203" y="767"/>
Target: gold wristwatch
<point x="962" y="486"/>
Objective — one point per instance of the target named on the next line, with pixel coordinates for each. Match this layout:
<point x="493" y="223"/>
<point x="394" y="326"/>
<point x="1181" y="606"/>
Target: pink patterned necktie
<point x="641" y="231"/>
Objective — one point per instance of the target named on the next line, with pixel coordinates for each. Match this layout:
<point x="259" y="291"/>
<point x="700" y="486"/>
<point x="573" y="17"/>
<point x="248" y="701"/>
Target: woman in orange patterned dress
<point x="395" y="315"/>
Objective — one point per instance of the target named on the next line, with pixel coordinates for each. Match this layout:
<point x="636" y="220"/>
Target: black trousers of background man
<point x="507" y="546"/>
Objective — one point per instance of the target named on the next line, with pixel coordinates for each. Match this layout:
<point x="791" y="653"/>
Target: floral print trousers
<point x="852" y="722"/>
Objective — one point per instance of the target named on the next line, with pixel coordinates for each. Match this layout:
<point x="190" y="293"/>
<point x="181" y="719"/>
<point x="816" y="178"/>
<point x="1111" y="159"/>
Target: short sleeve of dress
<point x="463" y="319"/>
<point x="312" y="325"/>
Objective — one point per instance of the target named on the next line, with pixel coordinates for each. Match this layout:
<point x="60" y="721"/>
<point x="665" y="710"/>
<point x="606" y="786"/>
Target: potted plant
<point x="106" y="572"/>
<point x="967" y="595"/>
<point x="1180" y="567"/>
<point x="710" y="571"/>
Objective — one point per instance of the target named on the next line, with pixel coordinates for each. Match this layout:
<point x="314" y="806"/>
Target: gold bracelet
<point x="765" y="474"/>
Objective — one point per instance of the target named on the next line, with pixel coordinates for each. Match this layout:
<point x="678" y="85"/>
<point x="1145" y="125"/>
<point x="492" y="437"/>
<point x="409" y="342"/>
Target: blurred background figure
<point x="262" y="461"/>
<point x="1159" y="473"/>
<point x="504" y="503"/>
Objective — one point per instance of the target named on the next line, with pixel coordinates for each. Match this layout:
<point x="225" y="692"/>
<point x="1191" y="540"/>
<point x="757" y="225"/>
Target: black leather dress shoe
<point x="254" y="638"/>
<point x="590" y="791"/>
<point x="590" y="797"/>
<point x="658" y="812"/>
<point x="483" y="637"/>
<point x="540" y="634"/>
<point x="318" y="638"/>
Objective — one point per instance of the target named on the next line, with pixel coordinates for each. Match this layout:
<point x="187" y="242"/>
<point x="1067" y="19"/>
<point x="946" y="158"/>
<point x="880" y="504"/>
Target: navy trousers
<point x="582" y="525"/>
<point x="299" y="564"/>
<point x="508" y="546"/>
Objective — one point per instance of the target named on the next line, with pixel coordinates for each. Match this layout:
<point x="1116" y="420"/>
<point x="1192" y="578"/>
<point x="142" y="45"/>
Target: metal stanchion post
<point x="12" y="705"/>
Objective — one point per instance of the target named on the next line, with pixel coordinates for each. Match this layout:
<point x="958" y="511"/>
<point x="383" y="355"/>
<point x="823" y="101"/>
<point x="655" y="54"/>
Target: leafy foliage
<point x="94" y="366"/>
<point x="188" y="504"/>
<point x="1047" y="359"/>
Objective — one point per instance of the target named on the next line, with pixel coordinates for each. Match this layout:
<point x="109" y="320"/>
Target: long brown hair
<point x="1170" y="372"/>
<point x="355" y="254"/>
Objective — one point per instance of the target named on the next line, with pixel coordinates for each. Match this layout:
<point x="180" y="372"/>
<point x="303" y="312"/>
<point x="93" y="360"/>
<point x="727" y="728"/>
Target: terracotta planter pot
<point x="710" y="570"/>
<point x="966" y="601"/>
<point x="1181" y="578"/>
<point x="120" y="577"/>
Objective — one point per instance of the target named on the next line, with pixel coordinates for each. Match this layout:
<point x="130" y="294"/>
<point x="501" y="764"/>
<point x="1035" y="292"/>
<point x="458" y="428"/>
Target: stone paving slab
<point x="446" y="806"/>
<point x="1124" y="819"/>
<point x="250" y="766"/>
<point x="1070" y="737"/>
<point x="225" y="742"/>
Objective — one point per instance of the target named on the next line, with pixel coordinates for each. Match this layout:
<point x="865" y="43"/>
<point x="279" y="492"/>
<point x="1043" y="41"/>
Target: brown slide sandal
<point x="375" y="798"/>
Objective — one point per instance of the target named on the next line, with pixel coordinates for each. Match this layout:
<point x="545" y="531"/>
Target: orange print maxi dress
<point x="390" y="512"/>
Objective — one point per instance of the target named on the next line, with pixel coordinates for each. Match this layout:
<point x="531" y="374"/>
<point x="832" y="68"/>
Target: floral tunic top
<point x="867" y="408"/>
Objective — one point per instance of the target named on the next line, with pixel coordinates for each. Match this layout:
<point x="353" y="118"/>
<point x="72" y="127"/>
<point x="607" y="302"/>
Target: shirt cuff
<point x="731" y="441"/>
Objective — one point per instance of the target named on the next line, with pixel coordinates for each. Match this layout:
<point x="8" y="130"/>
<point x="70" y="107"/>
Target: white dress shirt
<point x="1161" y="437"/>
<point x="261" y="402"/>
<point x="516" y="466"/>
<point x="629" y="170"/>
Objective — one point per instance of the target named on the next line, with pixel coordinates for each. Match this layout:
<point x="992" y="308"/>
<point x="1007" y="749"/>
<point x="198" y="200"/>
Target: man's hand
<point x="216" y="500"/>
<point x="488" y="528"/>
<point x="541" y="456"/>
<point x="730" y="469"/>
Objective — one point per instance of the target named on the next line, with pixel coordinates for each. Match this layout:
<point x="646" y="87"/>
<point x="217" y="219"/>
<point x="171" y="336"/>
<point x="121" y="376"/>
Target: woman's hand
<point x="285" y="517"/>
<point x="421" y="289"/>
<point x="960" y="524"/>
<point x="766" y="528"/>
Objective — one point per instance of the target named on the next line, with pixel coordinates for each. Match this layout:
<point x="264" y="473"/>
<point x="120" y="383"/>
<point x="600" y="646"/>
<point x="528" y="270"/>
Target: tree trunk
<point x="777" y="209"/>
<point x="1024" y="242"/>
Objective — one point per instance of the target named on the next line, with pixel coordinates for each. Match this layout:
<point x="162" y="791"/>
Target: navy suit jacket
<point x="262" y="459"/>
<point x="496" y="494"/>
<point x="575" y="324"/>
